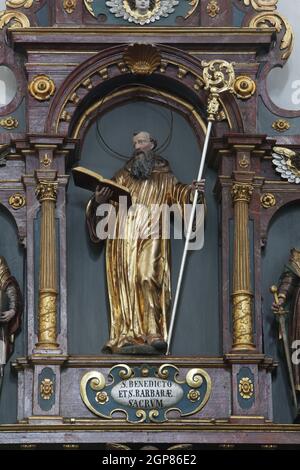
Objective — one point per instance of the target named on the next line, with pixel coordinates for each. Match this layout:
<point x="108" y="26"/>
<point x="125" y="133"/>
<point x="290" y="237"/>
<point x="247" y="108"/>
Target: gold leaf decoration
<point x="194" y="4"/>
<point x="142" y="59"/>
<point x="244" y="87"/>
<point x="19" y="3"/>
<point x="13" y="19"/>
<point x="246" y="388"/>
<point x="281" y="125"/>
<point x="9" y="123"/>
<point x="213" y="8"/>
<point x="265" y="20"/>
<point x="41" y="87"/>
<point x="268" y="200"/>
<point x="89" y="6"/>
<point x="17" y="201"/>
<point x="261" y="5"/>
<point x="69" y="6"/>
<point x="46" y="389"/>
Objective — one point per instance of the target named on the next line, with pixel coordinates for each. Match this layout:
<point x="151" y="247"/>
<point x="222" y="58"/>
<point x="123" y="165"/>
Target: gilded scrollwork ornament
<point x="142" y="11"/>
<point x="13" y="19"/>
<point x="261" y="5"/>
<point x="218" y="76"/>
<point x="279" y="22"/>
<point x="19" y="3"/>
<point x="42" y="87"/>
<point x="145" y="397"/>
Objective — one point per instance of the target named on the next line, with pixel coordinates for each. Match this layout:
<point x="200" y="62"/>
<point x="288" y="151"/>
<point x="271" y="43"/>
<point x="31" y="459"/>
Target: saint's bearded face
<point x="142" y="164"/>
<point x="143" y="155"/>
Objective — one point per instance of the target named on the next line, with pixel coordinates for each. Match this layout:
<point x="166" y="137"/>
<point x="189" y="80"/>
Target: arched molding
<point x="178" y="74"/>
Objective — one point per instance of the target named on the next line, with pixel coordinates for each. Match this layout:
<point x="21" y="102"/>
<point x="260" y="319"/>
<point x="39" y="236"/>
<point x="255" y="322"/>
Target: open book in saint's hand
<point x="88" y="179"/>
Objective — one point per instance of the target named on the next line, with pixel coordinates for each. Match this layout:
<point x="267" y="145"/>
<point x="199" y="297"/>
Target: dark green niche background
<point x="12" y="251"/>
<point x="197" y="328"/>
<point x="284" y="234"/>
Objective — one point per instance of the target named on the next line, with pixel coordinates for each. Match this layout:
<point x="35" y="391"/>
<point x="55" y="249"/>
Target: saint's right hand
<point x="5" y="317"/>
<point x="277" y="306"/>
<point x="103" y="194"/>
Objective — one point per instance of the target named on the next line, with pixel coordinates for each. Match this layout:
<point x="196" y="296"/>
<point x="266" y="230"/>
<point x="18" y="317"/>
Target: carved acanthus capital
<point x="46" y="191"/>
<point x="242" y="192"/>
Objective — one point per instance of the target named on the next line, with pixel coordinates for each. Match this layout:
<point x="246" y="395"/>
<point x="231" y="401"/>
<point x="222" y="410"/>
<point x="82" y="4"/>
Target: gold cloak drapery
<point x="138" y="268"/>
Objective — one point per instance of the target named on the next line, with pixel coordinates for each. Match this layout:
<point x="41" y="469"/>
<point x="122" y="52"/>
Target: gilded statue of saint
<point x="289" y="295"/>
<point x="138" y="266"/>
<point x="10" y="312"/>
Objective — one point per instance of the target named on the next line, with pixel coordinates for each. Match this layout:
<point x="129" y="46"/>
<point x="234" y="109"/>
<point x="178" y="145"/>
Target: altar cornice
<point x="201" y="38"/>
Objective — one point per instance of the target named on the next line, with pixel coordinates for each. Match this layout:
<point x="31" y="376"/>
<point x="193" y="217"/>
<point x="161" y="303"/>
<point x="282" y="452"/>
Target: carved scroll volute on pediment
<point x="261" y="5"/>
<point x="264" y="14"/>
<point x="20" y="13"/>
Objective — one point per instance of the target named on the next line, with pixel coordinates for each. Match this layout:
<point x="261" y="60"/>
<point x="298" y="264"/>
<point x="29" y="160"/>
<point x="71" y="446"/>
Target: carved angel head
<point x="142" y="11"/>
<point x="142" y="6"/>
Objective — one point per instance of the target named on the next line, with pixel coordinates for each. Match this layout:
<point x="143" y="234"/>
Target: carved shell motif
<point x="142" y="59"/>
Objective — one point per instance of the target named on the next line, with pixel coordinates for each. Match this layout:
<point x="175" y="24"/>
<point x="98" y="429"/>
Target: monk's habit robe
<point x="138" y="266"/>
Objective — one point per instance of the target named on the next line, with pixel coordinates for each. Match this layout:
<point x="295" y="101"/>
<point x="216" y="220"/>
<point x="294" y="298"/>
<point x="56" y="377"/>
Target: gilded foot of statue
<point x="158" y="343"/>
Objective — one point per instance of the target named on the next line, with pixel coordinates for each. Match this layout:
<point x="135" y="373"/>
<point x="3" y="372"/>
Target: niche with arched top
<point x="283" y="235"/>
<point x="197" y="326"/>
<point x="14" y="255"/>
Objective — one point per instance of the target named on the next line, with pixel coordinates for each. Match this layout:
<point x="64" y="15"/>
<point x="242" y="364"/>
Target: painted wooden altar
<point x="71" y="63"/>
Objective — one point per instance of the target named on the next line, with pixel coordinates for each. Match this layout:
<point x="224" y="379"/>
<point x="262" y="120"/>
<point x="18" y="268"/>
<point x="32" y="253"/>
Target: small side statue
<point x="287" y="300"/>
<point x="10" y="313"/>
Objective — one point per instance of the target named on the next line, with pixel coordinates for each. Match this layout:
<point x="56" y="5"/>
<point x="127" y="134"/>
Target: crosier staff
<point x="218" y="77"/>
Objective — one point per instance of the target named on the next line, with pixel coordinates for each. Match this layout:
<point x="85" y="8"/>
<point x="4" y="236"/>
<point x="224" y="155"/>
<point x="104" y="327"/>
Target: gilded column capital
<point x="46" y="191"/>
<point x="242" y="192"/>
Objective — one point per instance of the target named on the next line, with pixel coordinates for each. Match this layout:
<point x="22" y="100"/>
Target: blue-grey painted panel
<point x="238" y="16"/>
<point x="18" y="114"/>
<point x="266" y="118"/>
